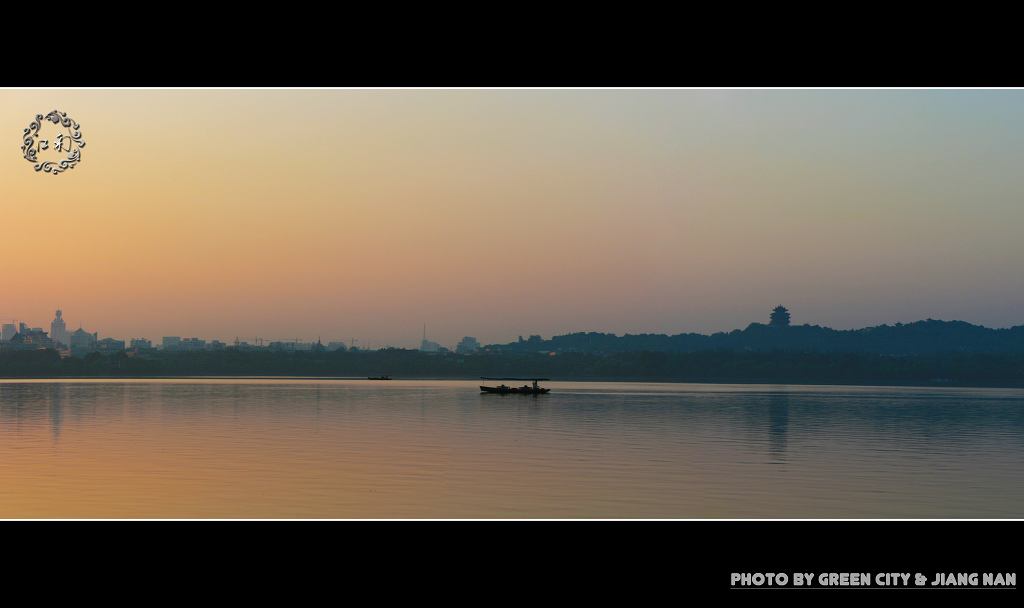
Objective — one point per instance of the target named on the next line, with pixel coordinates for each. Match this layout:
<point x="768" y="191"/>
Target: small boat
<point x="526" y="389"/>
<point x="378" y="377"/>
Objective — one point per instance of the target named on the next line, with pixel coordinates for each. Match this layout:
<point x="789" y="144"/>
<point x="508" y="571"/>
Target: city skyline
<point x="58" y="332"/>
<point x="779" y="316"/>
<point x="362" y="214"/>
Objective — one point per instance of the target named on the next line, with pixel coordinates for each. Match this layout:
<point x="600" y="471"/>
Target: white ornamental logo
<point x="53" y="149"/>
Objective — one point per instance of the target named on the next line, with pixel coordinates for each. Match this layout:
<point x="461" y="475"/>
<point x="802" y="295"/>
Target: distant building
<point x="59" y="330"/>
<point x="294" y="345"/>
<point x="332" y="346"/>
<point x="467" y="345"/>
<point x="8" y="331"/>
<point x="171" y="342"/>
<point x="193" y="344"/>
<point x="30" y="339"/>
<point x="427" y="346"/>
<point x="288" y="345"/>
<point x="780" y="317"/>
<point x="82" y="342"/>
<point x="141" y="343"/>
<point x="109" y="346"/>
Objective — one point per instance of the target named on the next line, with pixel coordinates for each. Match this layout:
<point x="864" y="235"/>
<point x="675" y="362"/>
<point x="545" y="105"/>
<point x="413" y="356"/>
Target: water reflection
<point x="778" y="422"/>
<point x="330" y="448"/>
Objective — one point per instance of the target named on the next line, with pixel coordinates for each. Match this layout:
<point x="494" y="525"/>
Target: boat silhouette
<point x="526" y="389"/>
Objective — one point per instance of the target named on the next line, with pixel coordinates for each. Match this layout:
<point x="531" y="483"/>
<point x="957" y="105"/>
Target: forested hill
<point x="921" y="337"/>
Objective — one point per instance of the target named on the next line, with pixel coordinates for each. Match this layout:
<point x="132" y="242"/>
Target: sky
<point x="363" y="215"/>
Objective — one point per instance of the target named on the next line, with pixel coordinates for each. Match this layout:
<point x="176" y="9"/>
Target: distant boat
<point x="526" y="389"/>
<point x="378" y="377"/>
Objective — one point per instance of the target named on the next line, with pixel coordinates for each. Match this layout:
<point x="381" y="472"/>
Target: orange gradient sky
<point x="363" y="214"/>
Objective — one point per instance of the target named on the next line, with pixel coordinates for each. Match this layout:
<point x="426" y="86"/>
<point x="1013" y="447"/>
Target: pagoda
<point x="780" y="317"/>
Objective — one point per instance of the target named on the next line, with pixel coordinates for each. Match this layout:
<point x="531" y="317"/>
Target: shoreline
<point x="475" y="380"/>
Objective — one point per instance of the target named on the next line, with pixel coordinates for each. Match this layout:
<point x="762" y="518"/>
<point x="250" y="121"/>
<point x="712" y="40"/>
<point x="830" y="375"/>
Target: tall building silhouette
<point x="427" y="346"/>
<point x="59" y="330"/>
<point x="780" y="317"/>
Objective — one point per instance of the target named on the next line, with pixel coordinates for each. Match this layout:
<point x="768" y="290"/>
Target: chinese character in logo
<point x="64" y="132"/>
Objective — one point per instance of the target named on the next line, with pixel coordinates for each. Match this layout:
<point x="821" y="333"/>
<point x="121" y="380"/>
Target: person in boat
<point x="535" y="387"/>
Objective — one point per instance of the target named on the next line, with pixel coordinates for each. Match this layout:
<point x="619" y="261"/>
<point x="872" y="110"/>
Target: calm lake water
<point x="290" y="448"/>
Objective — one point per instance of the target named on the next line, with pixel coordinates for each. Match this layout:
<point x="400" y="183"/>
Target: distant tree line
<point x="921" y="337"/>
